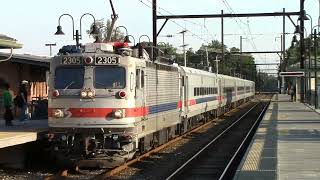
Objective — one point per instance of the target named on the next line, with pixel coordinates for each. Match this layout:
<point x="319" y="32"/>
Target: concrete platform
<point x="286" y="145"/>
<point x="22" y="133"/>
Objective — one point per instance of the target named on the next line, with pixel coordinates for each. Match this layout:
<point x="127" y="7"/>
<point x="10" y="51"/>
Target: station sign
<point x="292" y="74"/>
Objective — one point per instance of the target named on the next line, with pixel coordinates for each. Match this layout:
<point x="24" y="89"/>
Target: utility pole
<point x="240" y="44"/>
<point x="208" y="63"/>
<point x="184" y="47"/>
<point x="241" y="38"/>
<point x="50" y="45"/>
<point x="217" y="64"/>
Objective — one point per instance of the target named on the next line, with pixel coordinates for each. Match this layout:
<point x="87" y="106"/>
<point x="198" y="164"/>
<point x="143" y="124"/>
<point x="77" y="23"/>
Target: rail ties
<point x="220" y="157"/>
<point x="61" y="175"/>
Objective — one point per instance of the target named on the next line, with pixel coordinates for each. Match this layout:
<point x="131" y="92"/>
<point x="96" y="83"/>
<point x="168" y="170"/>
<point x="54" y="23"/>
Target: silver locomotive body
<point x="102" y="104"/>
<point x="106" y="105"/>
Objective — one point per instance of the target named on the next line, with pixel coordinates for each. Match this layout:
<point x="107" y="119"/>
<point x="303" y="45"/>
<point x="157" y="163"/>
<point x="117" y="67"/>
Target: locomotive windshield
<point x="109" y="77"/>
<point x="69" y="78"/>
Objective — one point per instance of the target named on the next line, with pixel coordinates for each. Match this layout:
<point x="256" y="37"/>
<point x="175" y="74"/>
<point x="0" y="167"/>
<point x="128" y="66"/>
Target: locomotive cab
<point x="95" y="99"/>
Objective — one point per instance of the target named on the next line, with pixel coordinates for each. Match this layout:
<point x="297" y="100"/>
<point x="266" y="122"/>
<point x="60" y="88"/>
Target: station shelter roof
<point x="7" y="42"/>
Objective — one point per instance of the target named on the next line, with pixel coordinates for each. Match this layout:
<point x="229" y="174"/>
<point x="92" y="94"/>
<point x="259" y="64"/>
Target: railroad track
<point x="63" y="174"/>
<point x="220" y="157"/>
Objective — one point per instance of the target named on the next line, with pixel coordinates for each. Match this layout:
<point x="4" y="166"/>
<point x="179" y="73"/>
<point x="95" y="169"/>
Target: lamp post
<point x="302" y="48"/>
<point x="315" y="38"/>
<point x="304" y="30"/>
<point x="281" y="60"/>
<point x="309" y="60"/>
<point x="115" y="32"/>
<point x="76" y="35"/>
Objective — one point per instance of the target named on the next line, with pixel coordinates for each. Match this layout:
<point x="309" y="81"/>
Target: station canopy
<point x="8" y="42"/>
<point x="292" y="74"/>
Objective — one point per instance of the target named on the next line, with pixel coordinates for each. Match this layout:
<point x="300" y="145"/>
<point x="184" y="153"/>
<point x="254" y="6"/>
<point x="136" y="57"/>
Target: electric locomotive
<point x="100" y="111"/>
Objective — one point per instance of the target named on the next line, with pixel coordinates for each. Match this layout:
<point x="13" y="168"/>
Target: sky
<point x="33" y="22"/>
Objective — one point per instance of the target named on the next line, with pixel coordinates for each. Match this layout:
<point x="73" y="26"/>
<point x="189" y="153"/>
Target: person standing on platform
<point x="289" y="88"/>
<point x="23" y="93"/>
<point x="7" y="99"/>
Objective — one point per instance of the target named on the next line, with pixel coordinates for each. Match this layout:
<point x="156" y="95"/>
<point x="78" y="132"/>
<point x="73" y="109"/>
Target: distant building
<point x="25" y="67"/>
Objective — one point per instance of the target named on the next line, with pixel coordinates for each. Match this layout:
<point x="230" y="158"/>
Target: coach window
<point x="142" y="79"/>
<point x="138" y="78"/>
<point x="182" y="81"/>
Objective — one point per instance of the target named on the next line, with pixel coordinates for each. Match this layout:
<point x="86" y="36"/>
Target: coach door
<point x="186" y="96"/>
<point x="220" y="92"/>
<point x="140" y="88"/>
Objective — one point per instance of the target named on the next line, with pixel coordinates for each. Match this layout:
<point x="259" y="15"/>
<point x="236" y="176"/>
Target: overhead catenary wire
<point x="240" y="23"/>
<point x="177" y="24"/>
<point x="185" y="20"/>
<point x="245" y="30"/>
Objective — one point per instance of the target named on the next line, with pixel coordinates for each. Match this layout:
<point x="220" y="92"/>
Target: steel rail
<point x="242" y="144"/>
<point x="147" y="154"/>
<point x="205" y="147"/>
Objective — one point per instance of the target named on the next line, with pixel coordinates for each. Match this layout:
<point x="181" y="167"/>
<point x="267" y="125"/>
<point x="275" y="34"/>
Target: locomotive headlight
<point x="84" y="94"/>
<point x="58" y="113"/>
<point x="63" y="137"/>
<point x="90" y="94"/>
<point x="87" y="93"/>
<point x="120" y="113"/>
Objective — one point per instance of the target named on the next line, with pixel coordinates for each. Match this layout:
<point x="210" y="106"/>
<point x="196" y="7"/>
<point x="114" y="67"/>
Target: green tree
<point x="104" y="28"/>
<point x="167" y="49"/>
<point x="233" y="63"/>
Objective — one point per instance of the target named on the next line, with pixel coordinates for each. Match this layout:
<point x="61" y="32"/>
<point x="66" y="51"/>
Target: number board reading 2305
<point x="105" y="60"/>
<point x="71" y="60"/>
<point x="99" y="60"/>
